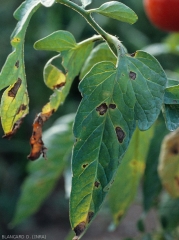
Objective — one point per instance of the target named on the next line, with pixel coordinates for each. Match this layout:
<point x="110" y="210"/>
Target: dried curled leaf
<point x="73" y="57"/>
<point x="37" y="145"/>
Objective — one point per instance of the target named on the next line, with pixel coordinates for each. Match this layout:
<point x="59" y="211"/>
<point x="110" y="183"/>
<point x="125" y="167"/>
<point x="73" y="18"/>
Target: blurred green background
<point x="53" y="215"/>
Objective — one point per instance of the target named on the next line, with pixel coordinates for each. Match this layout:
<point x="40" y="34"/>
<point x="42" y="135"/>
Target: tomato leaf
<point x="57" y="41"/>
<point x="118" y="11"/>
<point x="43" y="175"/>
<point x="171" y="107"/>
<point x="14" y="103"/>
<point x="98" y="54"/>
<point x="127" y="178"/>
<point x="169" y="163"/>
<point x="114" y="100"/>
<point x="168" y="212"/>
<point x="73" y="54"/>
<point x="151" y="184"/>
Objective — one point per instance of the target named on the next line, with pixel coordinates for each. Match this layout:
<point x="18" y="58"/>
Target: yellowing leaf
<point x="169" y="163"/>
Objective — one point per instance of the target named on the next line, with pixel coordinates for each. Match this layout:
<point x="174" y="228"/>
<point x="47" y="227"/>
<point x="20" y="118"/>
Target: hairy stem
<point x="112" y="41"/>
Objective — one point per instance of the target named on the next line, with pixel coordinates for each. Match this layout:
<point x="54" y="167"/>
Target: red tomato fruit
<point x="164" y="14"/>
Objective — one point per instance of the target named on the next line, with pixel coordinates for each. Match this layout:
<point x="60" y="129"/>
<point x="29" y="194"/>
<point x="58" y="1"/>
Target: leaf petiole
<point x="112" y="41"/>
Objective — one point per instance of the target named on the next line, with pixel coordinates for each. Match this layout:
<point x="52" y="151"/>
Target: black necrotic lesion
<point x="15" y="88"/>
<point x="120" y="134"/>
<point x="102" y="109"/>
<point x="132" y="75"/>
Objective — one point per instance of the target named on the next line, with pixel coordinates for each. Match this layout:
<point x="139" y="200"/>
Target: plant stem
<point x="112" y="41"/>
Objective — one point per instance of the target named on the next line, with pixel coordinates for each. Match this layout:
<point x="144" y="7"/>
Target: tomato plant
<point x="163" y="14"/>
<point x="123" y="95"/>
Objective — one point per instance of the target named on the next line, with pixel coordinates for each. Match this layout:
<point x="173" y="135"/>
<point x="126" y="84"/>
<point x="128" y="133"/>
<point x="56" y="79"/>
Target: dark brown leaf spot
<point x="14" y="129"/>
<point x="17" y="64"/>
<point x="102" y="109"/>
<point x="85" y="165"/>
<point x="14" y="89"/>
<point x="90" y="216"/>
<point x="177" y="180"/>
<point x="132" y="75"/>
<point x="133" y="54"/>
<point x="21" y="108"/>
<point x="97" y="184"/>
<point x="58" y="86"/>
<point x="112" y="105"/>
<point x="37" y="145"/>
<point x="175" y="149"/>
<point x="79" y="229"/>
<point x="120" y="134"/>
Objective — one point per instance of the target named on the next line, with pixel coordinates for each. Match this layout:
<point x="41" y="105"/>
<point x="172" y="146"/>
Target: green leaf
<point x="172" y="82"/>
<point x="168" y="212"/>
<point x="98" y="54"/>
<point x="171" y="115"/>
<point x="43" y="175"/>
<point x="117" y="10"/>
<point x="114" y="100"/>
<point x="126" y="182"/>
<point x="86" y="2"/>
<point x="169" y="163"/>
<point x="171" y="107"/>
<point x="57" y="41"/>
<point x="73" y="60"/>
<point x="151" y="186"/>
<point x="172" y="95"/>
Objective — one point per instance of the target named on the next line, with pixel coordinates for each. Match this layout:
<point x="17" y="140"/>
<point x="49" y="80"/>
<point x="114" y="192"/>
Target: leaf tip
<point x="79" y="229"/>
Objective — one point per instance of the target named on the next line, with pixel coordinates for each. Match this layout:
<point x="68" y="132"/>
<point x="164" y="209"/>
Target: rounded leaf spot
<point x="102" y="109"/>
<point x="112" y="105"/>
<point x="132" y="75"/>
<point x="120" y="134"/>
